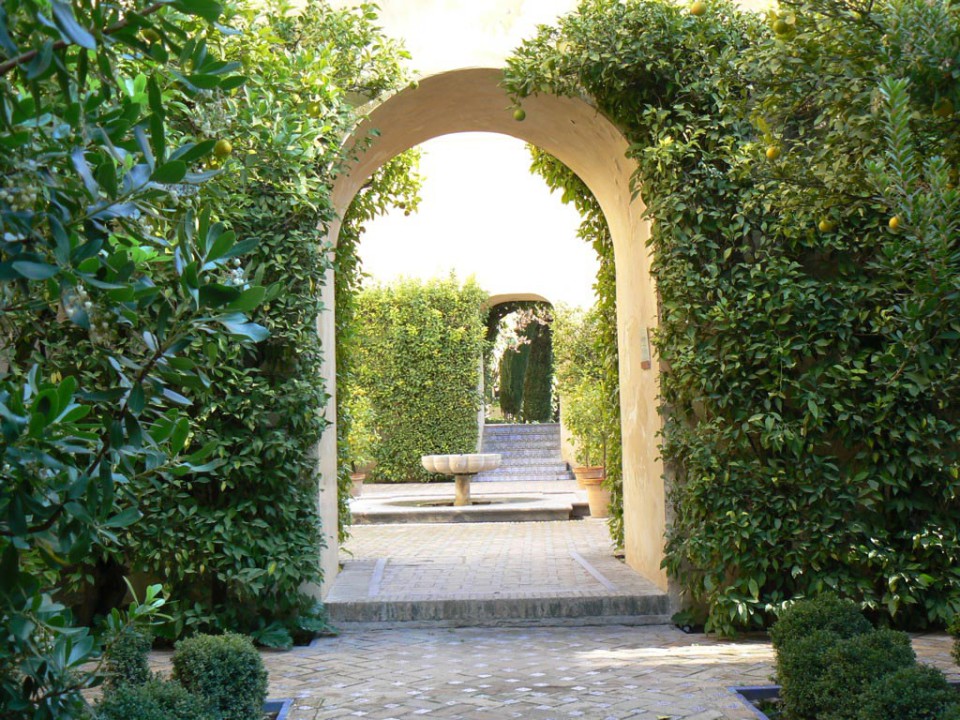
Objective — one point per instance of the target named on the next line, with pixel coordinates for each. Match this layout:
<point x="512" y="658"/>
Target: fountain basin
<point x="462" y="467"/>
<point x="435" y="507"/>
<point x="463" y="464"/>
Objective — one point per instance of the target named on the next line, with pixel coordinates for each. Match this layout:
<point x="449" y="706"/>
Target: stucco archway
<point x="471" y="100"/>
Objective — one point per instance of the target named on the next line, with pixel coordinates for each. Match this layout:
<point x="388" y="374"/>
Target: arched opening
<point x="471" y="100"/>
<point x="511" y="316"/>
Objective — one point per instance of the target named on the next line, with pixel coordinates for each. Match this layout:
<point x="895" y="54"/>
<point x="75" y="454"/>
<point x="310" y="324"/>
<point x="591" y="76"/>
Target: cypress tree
<point x="538" y="376"/>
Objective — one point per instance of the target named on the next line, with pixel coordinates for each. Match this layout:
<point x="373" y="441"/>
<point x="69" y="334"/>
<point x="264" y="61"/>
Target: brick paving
<point x="425" y="562"/>
<point x="552" y="673"/>
<point x="606" y="672"/>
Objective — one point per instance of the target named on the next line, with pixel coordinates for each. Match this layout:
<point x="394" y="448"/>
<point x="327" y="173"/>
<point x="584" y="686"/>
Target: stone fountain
<point x="463" y="468"/>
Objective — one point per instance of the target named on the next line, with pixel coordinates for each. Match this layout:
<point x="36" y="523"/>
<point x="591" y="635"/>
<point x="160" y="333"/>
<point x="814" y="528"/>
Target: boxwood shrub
<point x="911" y="693"/>
<point x="827" y="612"/>
<point x="127" y="659"/>
<point x="226" y="670"/>
<point x="154" y="700"/>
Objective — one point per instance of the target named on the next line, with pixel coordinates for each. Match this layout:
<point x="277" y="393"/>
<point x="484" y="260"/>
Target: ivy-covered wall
<point x="396" y="184"/>
<point x="238" y="542"/>
<point x="799" y="173"/>
<point x="604" y="348"/>
<point x="418" y="350"/>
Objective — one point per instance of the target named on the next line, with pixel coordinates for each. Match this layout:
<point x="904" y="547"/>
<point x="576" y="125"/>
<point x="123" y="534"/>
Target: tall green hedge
<point x="799" y="172"/>
<point x="513" y="367"/>
<point x="538" y="376"/>
<point x="419" y="349"/>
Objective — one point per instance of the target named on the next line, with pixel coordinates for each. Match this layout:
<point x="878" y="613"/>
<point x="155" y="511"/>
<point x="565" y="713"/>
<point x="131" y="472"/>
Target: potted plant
<point x="583" y="400"/>
<point x="362" y="438"/>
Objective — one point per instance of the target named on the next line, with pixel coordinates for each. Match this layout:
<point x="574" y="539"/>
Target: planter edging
<point x="748" y="694"/>
<point x="281" y="707"/>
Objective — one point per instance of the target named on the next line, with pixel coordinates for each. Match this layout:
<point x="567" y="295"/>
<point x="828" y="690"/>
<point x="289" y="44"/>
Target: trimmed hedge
<point x="419" y="350"/>
<point x="155" y="700"/>
<point x="226" y="671"/>
<point x="538" y="377"/>
<point x="827" y="613"/>
<point x="832" y="665"/>
<point x="127" y="659"/>
<point x="911" y="693"/>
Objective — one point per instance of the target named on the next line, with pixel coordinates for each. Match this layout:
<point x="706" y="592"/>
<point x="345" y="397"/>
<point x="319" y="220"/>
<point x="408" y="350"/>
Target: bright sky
<point x="484" y="214"/>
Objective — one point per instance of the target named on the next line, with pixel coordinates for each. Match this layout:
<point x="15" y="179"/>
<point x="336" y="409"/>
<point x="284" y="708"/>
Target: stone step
<point x="550" y="468"/>
<point x="532" y="461"/>
<point x="535" y="610"/>
<point x="555" y="577"/>
<point x="522" y="428"/>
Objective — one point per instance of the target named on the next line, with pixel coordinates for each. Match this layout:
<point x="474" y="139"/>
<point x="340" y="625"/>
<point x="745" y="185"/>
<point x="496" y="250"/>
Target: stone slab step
<point x="494" y="612"/>
<point x="528" y="461"/>
<point x="522" y="428"/>
<point x="525" y="473"/>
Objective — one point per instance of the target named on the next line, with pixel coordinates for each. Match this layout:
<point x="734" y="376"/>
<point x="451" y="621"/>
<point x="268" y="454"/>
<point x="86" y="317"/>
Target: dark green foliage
<point x="912" y="693"/>
<point x="128" y="659"/>
<point x="224" y="670"/>
<point x="237" y="542"/>
<point x="418" y="360"/>
<point x="604" y="347"/>
<point x="509" y="405"/>
<point x="396" y="184"/>
<point x="954" y="629"/>
<point x="810" y="349"/>
<point x="513" y="371"/>
<point x="823" y="675"/>
<point x="111" y="268"/>
<point x="538" y="376"/>
<point x="154" y="700"/>
<point x="827" y="612"/>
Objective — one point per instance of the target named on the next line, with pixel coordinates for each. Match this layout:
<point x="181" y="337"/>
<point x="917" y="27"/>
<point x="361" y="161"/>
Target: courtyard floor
<point x="597" y="673"/>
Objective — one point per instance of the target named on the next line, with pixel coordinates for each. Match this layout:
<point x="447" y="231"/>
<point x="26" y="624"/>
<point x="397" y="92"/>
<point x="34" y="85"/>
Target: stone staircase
<point x="529" y="453"/>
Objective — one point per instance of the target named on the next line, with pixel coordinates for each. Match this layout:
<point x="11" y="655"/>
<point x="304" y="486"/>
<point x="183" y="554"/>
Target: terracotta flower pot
<point x="598" y="497"/>
<point x="357" y="479"/>
<point x="588" y="471"/>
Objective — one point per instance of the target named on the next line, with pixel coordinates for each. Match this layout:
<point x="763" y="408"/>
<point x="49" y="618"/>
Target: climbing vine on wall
<point x="799" y="170"/>
<point x="395" y="185"/>
<point x="593" y="229"/>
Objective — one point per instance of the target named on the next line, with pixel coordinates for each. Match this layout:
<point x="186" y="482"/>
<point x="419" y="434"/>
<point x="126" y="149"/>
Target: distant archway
<point x="573" y="131"/>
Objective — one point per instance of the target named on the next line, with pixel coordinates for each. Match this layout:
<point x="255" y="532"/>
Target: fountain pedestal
<point x="463" y="468"/>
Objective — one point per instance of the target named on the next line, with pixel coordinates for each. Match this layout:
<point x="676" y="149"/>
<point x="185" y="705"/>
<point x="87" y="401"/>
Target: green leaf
<point x="34" y="270"/>
<point x="124" y="518"/>
<point x="221" y="246"/>
<point x="171" y="172"/>
<point x="207" y="9"/>
<point x="38" y="67"/>
<point x="238" y="325"/>
<point x="248" y="300"/>
<point x="70" y="28"/>
<point x="193" y="151"/>
<point x="137" y="399"/>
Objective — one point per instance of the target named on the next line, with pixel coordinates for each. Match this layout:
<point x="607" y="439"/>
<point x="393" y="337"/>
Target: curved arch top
<point x="503" y="298"/>
<point x="472" y="100"/>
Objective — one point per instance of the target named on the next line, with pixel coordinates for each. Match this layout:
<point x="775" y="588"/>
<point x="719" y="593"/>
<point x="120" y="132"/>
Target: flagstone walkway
<point x="553" y="673"/>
